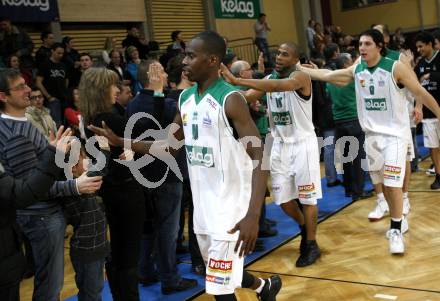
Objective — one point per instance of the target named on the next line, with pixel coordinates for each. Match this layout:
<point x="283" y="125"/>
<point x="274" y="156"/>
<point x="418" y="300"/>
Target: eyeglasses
<point x="19" y="87"/>
<point x="36" y="97"/>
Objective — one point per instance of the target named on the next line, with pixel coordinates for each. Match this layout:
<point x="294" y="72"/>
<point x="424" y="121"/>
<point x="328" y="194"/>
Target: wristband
<point x="158" y="94"/>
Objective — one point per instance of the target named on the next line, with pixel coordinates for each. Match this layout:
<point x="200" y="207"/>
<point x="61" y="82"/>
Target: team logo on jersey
<point x="207" y="122"/>
<point x="281" y="118"/>
<point x="217" y="279"/>
<point x="200" y="156"/>
<point x="220" y="266"/>
<point x="375" y="104"/>
<point x="381" y="83"/>
<point x="306" y="191"/>
<point x="392" y="172"/>
<point x="362" y="82"/>
<point x="212" y="103"/>
<point x="185" y="119"/>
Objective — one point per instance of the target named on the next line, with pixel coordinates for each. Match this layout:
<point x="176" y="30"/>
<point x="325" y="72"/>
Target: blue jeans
<point x="165" y="202"/>
<point x="329" y="156"/>
<point x="56" y="111"/>
<point x="46" y="236"/>
<point x="89" y="278"/>
<point x="264" y="48"/>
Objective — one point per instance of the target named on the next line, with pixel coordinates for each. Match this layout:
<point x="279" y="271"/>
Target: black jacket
<point x="18" y="194"/>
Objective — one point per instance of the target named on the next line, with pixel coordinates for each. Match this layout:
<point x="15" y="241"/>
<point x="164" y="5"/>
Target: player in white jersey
<point x="295" y="170"/>
<point x="227" y="191"/>
<point x="384" y="118"/>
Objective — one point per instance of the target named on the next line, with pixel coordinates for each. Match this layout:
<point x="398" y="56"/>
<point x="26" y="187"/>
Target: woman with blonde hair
<point x="122" y="194"/>
<point x="109" y="45"/>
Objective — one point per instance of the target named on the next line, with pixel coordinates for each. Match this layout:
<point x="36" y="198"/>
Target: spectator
<point x="52" y="82"/>
<point x="331" y="53"/>
<point x="176" y="48"/>
<point x="132" y="68"/>
<point x="310" y="35"/>
<point x="18" y="194"/>
<point x="133" y="39"/>
<point x="164" y="201"/>
<point x="88" y="244"/>
<point x="15" y="63"/>
<point x="398" y="39"/>
<point x="436" y="35"/>
<point x="15" y="41"/>
<point x="261" y="29"/>
<point x="117" y="65"/>
<point x="319" y="37"/>
<point x="229" y="59"/>
<point x="122" y="194"/>
<point x="109" y="46"/>
<point x="124" y="97"/>
<point x="72" y="113"/>
<point x="45" y="51"/>
<point x="71" y="55"/>
<point x="85" y="61"/>
<point x="39" y="116"/>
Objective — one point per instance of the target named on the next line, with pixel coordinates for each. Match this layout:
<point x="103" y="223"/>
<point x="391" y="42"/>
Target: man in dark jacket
<point x="18" y="194"/>
<point x="14" y="41"/>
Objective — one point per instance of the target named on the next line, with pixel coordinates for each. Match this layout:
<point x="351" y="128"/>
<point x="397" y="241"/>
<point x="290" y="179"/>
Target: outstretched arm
<point x="340" y="77"/>
<point x="407" y="77"/>
<point x="237" y="110"/>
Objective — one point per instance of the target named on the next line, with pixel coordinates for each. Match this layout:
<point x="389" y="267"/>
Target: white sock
<point x="260" y="288"/>
<point x="405" y="195"/>
<point x="381" y="196"/>
<point x="396" y="219"/>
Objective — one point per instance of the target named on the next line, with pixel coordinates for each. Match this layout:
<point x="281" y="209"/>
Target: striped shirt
<point x="21" y="146"/>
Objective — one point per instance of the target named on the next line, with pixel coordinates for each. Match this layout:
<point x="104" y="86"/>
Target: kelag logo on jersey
<point x="281" y="118"/>
<point x="375" y="104"/>
<point x="200" y="155"/>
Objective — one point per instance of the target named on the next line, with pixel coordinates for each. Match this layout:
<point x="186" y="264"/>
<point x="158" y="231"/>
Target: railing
<point x="245" y="49"/>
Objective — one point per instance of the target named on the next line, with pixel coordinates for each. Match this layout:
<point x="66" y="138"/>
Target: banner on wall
<point x="237" y="9"/>
<point x="29" y="10"/>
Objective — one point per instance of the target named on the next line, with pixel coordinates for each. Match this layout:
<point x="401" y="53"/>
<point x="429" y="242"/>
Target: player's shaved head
<point x="213" y="44"/>
<point x="293" y="47"/>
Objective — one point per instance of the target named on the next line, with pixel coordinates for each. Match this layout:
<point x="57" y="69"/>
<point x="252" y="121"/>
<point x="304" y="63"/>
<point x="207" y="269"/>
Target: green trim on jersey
<point x="218" y="90"/>
<point x="392" y="54"/>
<point x="384" y="63"/>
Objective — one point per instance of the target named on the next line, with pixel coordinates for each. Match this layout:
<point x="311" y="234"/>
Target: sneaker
<point x="406" y="206"/>
<point x="310" y="255"/>
<point x="270" y="289"/>
<point x="379" y="211"/>
<point x="436" y="184"/>
<point x="404" y="228"/>
<point x="431" y="171"/>
<point x="396" y="242"/>
<point x="183" y="285"/>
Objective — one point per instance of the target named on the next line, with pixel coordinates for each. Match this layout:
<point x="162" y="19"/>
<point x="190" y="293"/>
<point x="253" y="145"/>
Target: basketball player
<point x="382" y="114"/>
<point x="227" y="191"/>
<point x="295" y="170"/>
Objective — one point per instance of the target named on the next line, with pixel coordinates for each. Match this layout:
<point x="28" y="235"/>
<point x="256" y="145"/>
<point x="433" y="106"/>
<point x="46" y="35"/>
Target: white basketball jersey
<point x="219" y="167"/>
<point x="290" y="116"/>
<point x="381" y="104"/>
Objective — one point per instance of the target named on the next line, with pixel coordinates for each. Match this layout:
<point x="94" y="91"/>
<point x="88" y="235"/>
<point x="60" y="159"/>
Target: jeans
<point x="262" y="46"/>
<point x="329" y="155"/>
<point x="89" y="278"/>
<point x="56" y="111"/>
<point x="353" y="173"/>
<point x="46" y="236"/>
<point x="165" y="204"/>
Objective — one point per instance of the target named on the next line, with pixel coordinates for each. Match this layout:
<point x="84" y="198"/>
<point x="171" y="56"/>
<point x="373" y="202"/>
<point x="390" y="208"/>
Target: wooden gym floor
<point x="355" y="263"/>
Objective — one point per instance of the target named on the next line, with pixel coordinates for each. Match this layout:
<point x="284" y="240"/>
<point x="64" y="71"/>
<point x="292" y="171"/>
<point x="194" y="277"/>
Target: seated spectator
<point x="176" y="48"/>
<point x="15" y="63"/>
<point x="88" y="244"/>
<point x="39" y="115"/>
<point x="124" y="97"/>
<point x="229" y="59"/>
<point x="15" y="41"/>
<point x="45" y="51"/>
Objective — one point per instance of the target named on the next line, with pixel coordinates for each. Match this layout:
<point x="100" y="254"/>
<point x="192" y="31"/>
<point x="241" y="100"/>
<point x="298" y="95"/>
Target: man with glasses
<point x="38" y="115"/>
